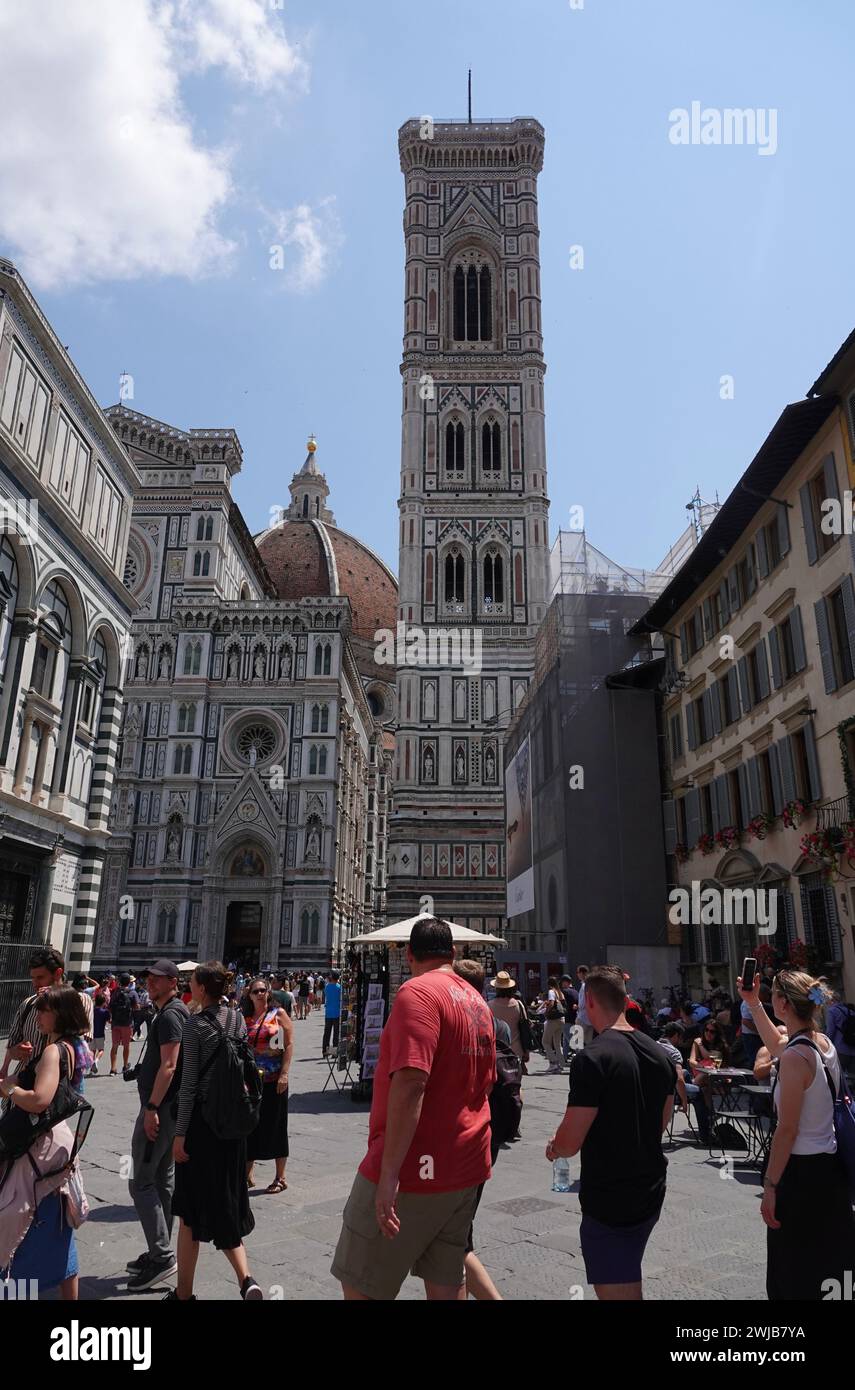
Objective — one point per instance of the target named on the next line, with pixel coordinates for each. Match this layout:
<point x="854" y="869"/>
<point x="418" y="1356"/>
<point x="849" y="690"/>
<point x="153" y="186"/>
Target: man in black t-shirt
<point x="152" y="1180"/>
<point x="621" y="1097"/>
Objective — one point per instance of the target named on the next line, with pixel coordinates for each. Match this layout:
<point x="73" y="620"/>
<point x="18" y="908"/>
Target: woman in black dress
<point x="210" y="1199"/>
<point x="271" y="1036"/>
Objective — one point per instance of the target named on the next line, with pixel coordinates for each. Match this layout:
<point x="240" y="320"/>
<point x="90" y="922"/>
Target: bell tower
<point x="474" y="557"/>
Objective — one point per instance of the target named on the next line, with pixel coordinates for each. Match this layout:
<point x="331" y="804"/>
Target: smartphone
<point x="749" y="969"/>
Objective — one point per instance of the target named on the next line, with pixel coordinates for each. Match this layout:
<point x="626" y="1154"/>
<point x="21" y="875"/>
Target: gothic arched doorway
<point x="243" y="935"/>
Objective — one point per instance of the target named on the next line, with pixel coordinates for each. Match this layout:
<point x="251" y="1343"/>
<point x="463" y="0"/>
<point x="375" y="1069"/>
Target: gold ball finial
<point x="312" y="444"/>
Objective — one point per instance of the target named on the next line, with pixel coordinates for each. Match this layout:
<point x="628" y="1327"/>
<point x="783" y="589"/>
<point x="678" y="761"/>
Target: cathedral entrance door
<point x="243" y="935"/>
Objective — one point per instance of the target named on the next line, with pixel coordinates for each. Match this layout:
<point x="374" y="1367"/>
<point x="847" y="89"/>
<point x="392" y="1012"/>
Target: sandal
<point x="250" y="1182"/>
<point x="278" y="1185"/>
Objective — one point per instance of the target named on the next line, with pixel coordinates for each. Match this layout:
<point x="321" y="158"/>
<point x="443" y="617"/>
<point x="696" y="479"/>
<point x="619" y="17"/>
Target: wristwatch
<point x="149" y="1106"/>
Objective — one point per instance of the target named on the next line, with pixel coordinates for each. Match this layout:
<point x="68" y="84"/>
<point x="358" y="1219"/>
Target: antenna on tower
<point x="470" y="96"/>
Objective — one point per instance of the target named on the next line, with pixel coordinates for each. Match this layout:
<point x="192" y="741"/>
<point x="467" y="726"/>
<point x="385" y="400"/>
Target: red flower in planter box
<point x="727" y="837"/>
<point x="792" y="813"/>
<point x="706" y="844"/>
<point x="760" y="825"/>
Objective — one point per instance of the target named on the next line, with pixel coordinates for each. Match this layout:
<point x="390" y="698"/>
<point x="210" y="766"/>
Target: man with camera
<point x="158" y="1078"/>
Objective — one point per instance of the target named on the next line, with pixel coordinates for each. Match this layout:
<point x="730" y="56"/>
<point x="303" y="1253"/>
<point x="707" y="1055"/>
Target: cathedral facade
<point x="473" y="504"/>
<point x="249" y="816"/>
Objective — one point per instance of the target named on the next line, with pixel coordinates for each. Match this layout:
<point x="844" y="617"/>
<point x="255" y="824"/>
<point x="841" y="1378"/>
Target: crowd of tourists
<point x="213" y="1085"/>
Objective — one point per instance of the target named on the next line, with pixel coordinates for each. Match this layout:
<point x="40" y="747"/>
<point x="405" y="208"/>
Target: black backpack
<point x="526" y="1038"/>
<point x="120" y="1009"/>
<point x="847" y="1028"/>
<point x="232" y="1102"/>
<point x="505" y="1100"/>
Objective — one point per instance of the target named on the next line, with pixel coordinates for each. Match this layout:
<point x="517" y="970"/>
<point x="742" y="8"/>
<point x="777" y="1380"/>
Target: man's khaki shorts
<point x="430" y="1244"/>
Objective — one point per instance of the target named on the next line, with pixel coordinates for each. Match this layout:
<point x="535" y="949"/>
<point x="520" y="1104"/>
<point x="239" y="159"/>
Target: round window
<point x="255" y="743"/>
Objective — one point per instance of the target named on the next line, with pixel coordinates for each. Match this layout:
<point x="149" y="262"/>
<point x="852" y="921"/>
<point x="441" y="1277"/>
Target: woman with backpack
<point x="40" y="1242"/>
<point x="806" y="1198"/>
<point x="553" y="1029"/>
<point x="271" y="1036"/>
<point x="211" y="1198"/>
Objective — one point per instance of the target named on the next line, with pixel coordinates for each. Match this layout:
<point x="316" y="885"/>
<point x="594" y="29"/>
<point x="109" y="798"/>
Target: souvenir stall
<point x="377" y="967"/>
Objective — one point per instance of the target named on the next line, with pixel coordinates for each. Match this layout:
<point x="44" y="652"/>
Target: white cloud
<point x="309" y="238"/>
<point x="238" y="35"/>
<point x="102" y="176"/>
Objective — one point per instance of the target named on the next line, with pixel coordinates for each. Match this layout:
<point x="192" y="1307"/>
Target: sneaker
<point x="172" y="1297"/>
<point x="93" y="1070"/>
<point x="152" y="1272"/>
<point x="114" y="1073"/>
<point x="250" y="1290"/>
<point x="134" y="1265"/>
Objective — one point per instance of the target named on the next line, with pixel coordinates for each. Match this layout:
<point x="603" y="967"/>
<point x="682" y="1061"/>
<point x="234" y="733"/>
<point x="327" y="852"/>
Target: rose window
<point x="255" y="743"/>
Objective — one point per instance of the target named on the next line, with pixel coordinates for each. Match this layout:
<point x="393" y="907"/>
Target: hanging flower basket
<point x="727" y="837"/>
<point x="706" y="844"/>
<point x="792" y="813"/>
<point x="764" y="954"/>
<point x="821" y="846"/>
<point x="681" y="852"/>
<point x="759" y="826"/>
<point x="797" y="956"/>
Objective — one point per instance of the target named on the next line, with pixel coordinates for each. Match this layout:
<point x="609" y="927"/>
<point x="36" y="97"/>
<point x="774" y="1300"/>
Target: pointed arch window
<point x="455" y="446"/>
<point x="182" y="759"/>
<point x="186" y="719"/>
<point x="309" y="926"/>
<point x="306" y="505"/>
<point x="317" y="760"/>
<point x="323" y="659"/>
<point x="494" y="579"/>
<point x="200" y="529"/>
<point x="491" y="446"/>
<point x="320" y="719"/>
<point x="455" y="575"/>
<point x="472" y="303"/>
<point x="197" y="563"/>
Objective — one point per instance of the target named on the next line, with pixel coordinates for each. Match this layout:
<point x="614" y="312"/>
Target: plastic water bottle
<point x="561" y="1175"/>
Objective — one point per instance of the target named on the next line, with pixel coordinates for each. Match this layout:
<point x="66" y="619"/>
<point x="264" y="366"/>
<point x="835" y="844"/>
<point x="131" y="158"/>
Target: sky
<point x="155" y="151"/>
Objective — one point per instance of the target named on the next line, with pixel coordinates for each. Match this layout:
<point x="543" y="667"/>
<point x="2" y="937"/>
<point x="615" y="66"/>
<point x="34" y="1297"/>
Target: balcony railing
<point x="835" y="814"/>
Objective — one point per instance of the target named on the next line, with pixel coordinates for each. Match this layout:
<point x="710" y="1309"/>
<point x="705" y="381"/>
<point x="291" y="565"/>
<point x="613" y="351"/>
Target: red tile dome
<point x="311" y="558"/>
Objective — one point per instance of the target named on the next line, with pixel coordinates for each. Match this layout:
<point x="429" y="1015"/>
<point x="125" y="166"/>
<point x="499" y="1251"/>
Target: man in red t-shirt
<point x="411" y="1205"/>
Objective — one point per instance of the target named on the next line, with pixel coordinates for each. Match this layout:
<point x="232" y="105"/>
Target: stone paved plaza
<point x="710" y="1243"/>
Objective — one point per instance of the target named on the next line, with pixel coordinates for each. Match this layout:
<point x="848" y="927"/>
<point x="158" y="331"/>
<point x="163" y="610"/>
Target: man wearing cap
<point x="152" y="1181"/>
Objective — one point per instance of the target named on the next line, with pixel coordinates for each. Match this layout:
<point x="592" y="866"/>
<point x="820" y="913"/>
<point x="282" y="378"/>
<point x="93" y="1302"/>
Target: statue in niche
<point x="173" y="843"/>
<point x="460" y="765"/>
<point x="234" y="664"/>
<point x="490" y="765"/>
<point x="428" y="765"/>
<point x="313" y="844"/>
<point x="142" y="659"/>
<point x="163" y="667"/>
<point x="258" y="665"/>
<point x="284" y="663"/>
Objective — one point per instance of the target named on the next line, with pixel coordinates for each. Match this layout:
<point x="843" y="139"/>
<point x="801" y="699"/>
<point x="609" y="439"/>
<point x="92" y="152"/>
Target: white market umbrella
<point x="187" y="964"/>
<point x="399" y="933"/>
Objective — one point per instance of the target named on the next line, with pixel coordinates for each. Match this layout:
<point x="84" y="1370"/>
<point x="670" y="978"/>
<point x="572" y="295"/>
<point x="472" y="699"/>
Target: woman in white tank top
<point x="806" y="1206"/>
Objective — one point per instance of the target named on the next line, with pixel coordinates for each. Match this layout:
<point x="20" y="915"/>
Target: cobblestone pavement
<point x="709" y="1244"/>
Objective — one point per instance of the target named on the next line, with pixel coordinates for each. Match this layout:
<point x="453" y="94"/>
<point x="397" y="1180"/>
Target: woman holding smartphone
<point x="806" y="1205"/>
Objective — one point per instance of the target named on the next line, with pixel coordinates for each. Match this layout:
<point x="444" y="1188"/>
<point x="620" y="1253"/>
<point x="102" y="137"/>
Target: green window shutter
<point x="788" y="770"/>
<point x="783" y="522"/>
<point x="762" y="554"/>
<point x="807" y="518"/>
<point x="775" y="655"/>
<point x="669" y="824"/>
<point x="826" y="655"/>
<point x="812" y="762"/>
<point x="797" y="630"/>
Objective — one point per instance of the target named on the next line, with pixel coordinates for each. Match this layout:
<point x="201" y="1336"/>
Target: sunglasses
<point x="258" y="991"/>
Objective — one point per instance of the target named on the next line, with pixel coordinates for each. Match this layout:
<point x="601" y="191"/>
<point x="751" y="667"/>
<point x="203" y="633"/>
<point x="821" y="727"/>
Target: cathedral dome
<point x="308" y="556"/>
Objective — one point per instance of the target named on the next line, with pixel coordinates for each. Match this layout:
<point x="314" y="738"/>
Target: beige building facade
<point x="759" y="714"/>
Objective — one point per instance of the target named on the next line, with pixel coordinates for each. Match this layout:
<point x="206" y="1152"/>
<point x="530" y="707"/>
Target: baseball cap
<point x="164" y="967"/>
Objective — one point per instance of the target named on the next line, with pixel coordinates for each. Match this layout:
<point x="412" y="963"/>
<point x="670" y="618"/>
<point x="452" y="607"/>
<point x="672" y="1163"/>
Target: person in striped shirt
<point x="26" y="1041"/>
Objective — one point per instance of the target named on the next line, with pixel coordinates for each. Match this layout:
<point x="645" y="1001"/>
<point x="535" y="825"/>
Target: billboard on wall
<point x="518" y="832"/>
